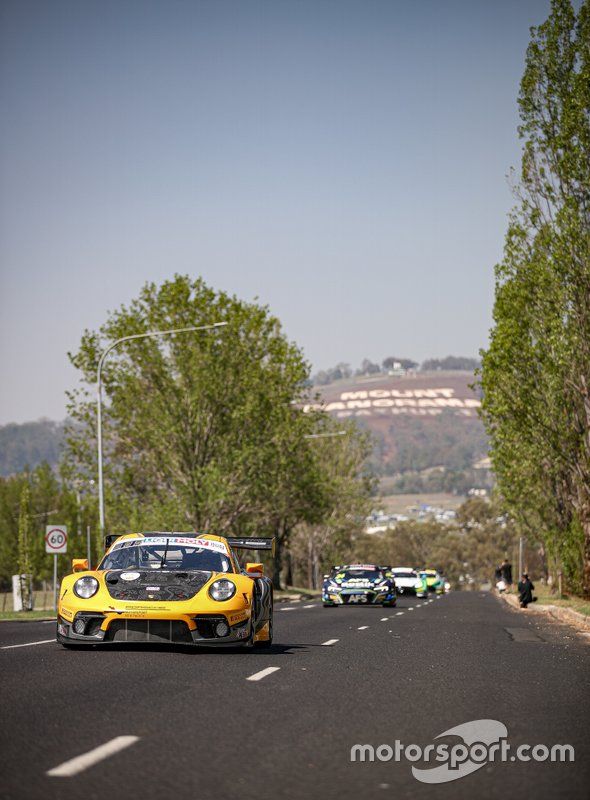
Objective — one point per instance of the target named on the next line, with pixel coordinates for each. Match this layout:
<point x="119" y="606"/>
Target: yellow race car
<point x="170" y="588"/>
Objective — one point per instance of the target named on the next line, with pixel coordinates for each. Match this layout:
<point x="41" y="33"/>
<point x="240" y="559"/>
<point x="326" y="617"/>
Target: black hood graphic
<point x="166" y="585"/>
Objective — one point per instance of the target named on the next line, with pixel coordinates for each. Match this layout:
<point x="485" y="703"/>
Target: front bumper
<point x="196" y="629"/>
<point x="351" y="597"/>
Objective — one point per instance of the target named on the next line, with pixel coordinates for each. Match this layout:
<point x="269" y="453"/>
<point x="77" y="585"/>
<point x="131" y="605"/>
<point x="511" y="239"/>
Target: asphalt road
<point x="206" y="732"/>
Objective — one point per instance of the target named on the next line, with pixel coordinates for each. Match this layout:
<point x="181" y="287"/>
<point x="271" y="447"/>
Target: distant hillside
<point x="29" y="444"/>
<point x="426" y="425"/>
<point x="393" y="365"/>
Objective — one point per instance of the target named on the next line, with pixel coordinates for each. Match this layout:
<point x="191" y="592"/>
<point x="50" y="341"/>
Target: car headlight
<point x="333" y="586"/>
<point x="222" y="590"/>
<point x="86" y="587"/>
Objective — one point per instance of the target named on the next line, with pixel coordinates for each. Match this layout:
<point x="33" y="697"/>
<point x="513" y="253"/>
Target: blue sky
<point x="345" y="162"/>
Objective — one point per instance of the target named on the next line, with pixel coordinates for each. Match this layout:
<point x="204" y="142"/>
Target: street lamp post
<point x="101" y="361"/>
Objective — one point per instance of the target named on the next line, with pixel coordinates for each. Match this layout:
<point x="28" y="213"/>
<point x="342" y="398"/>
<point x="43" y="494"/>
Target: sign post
<point x="56" y="542"/>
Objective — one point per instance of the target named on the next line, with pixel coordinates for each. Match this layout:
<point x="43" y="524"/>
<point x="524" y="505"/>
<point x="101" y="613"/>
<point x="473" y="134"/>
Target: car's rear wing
<point x="252" y="543"/>
<point x="248" y="543"/>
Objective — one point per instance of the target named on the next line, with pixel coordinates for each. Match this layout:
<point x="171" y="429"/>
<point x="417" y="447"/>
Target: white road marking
<point x="399" y="613"/>
<point x="330" y="642"/>
<point x="311" y="605"/>
<point x="384" y="619"/>
<point x="363" y="628"/>
<point x="411" y="608"/>
<point x="287" y="609"/>
<point x="80" y="763"/>
<point x="258" y="676"/>
<point x="27" y="644"/>
<point x="48" y="622"/>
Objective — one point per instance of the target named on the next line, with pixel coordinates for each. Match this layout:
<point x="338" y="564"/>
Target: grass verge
<point x="547" y="598"/>
<point x="24" y="616"/>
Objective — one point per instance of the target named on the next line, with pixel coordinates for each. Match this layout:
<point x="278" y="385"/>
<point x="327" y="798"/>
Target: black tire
<point x="267" y="642"/>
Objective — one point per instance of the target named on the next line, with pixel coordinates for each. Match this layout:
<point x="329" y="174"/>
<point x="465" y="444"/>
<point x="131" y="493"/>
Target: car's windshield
<point x="404" y="574"/>
<point x="173" y="553"/>
<point x="364" y="574"/>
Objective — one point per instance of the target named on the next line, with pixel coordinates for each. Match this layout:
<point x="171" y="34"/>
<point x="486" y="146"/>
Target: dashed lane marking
<point x="363" y="628"/>
<point x="399" y="613"/>
<point x="258" y="676"/>
<point x="26" y="644"/>
<point x="80" y="763"/>
<point x="330" y="642"/>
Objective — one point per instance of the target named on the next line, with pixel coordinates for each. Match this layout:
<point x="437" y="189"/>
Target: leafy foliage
<point x="536" y="371"/>
<point x="203" y="430"/>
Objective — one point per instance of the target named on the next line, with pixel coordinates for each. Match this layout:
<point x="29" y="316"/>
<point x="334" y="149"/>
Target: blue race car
<point x="358" y="583"/>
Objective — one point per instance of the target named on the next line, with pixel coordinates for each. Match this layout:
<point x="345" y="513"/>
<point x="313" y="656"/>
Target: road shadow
<point x="195" y="651"/>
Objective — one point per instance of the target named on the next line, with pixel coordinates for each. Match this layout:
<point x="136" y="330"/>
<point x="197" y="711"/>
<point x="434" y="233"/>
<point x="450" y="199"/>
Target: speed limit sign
<point x="56" y="539"/>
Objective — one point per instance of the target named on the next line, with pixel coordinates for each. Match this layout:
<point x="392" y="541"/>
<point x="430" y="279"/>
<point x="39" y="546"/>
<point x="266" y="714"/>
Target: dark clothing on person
<point x="506" y="570"/>
<point x="497" y="575"/>
<point x="525" y="592"/>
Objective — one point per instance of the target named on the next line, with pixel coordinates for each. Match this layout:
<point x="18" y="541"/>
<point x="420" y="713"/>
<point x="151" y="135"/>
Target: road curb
<point x="567" y="615"/>
<point x="35" y="619"/>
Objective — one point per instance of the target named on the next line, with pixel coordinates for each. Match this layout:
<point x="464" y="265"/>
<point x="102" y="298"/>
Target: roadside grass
<point x="546" y="597"/>
<point x="23" y="616"/>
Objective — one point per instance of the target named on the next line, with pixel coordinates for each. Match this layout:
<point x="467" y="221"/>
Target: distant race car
<point x="358" y="583"/>
<point x="170" y="588"/>
<point x="421" y="584"/>
<point x="434" y="581"/>
<point x="406" y="579"/>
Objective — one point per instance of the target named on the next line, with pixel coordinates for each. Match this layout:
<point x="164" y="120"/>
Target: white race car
<point x="406" y="579"/>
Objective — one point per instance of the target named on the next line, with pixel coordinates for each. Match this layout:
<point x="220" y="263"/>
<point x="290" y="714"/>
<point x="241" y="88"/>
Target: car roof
<point x="181" y="534"/>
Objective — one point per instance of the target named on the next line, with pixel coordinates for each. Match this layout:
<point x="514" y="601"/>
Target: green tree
<point x="536" y="372"/>
<point x="24" y="545"/>
<point x="202" y="431"/>
<point x="345" y="484"/>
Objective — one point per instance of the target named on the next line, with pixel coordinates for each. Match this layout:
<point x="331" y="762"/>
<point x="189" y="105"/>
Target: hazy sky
<point x="345" y="162"/>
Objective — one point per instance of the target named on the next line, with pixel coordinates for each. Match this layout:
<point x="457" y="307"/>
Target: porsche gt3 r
<point x="170" y="588"/>
<point x="358" y="583"/>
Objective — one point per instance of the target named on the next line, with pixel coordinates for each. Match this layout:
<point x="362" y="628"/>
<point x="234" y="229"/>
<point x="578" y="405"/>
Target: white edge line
<point x="383" y="619"/>
<point x="309" y="606"/>
<point x="258" y="676"/>
<point x="86" y="760"/>
<point x="330" y="642"/>
<point x="287" y="609"/>
<point x="363" y="628"/>
<point x="26" y="644"/>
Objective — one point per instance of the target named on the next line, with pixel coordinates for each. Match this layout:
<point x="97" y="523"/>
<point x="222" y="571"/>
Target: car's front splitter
<point x="129" y="630"/>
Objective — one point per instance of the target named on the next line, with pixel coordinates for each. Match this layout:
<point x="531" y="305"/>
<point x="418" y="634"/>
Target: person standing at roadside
<point x="506" y="570"/>
<point x="525" y="590"/>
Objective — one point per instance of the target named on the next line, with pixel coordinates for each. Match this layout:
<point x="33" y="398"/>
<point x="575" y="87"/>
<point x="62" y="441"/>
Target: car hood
<point x="165" y="585"/>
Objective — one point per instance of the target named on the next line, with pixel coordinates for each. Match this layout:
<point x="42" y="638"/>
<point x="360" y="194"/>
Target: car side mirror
<point x="255" y="570"/>
<point x="79" y="564"/>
